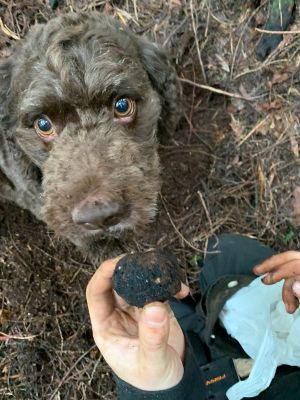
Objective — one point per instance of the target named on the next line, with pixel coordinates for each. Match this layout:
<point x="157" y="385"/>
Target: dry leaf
<point x="175" y="4"/>
<point x="5" y="369"/>
<point x="279" y="77"/>
<point x="5" y="316"/>
<point x="237" y="127"/>
<point x="243" y="91"/>
<point x="223" y="64"/>
<point x="294" y="144"/>
<point x="108" y="9"/>
<point x="275" y="104"/>
<point x="260" y="18"/>
<point x="94" y="354"/>
<point x="293" y="92"/>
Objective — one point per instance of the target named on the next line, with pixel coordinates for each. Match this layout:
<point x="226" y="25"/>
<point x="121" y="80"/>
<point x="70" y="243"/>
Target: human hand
<point x="144" y="347"/>
<point x="283" y="266"/>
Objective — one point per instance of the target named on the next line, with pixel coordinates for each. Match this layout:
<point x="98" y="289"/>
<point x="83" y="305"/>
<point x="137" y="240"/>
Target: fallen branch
<point x="276" y="32"/>
<point x="4" y="336"/>
<point x="220" y="91"/>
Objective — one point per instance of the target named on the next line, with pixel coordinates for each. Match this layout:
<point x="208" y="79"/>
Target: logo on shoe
<point x="215" y="380"/>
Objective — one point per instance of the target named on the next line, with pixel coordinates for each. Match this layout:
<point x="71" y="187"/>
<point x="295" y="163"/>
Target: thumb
<point x="154" y="326"/>
<point x="160" y="362"/>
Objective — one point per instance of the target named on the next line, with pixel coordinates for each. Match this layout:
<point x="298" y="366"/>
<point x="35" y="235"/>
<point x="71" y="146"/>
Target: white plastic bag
<point x="256" y="317"/>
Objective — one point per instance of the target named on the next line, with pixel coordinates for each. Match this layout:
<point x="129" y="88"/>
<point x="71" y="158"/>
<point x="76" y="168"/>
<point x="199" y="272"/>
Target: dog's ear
<point x="164" y="80"/>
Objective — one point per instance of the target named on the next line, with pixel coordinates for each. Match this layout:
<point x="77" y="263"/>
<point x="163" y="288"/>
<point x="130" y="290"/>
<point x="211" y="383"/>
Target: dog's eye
<point x="124" y="107"/>
<point x="44" y="127"/>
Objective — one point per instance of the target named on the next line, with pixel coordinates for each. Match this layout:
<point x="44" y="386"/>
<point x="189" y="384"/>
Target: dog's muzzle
<point x="96" y="214"/>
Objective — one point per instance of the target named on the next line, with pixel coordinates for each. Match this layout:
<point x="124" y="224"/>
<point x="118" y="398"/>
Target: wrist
<point x="153" y="378"/>
<point x="162" y="378"/>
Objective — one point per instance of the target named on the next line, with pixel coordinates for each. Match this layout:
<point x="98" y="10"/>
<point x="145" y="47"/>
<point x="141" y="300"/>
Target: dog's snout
<point x="98" y="215"/>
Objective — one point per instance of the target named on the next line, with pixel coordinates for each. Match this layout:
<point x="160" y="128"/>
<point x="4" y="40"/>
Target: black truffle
<point x="142" y="278"/>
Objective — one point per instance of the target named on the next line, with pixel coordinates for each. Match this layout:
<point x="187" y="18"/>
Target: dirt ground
<point x="231" y="166"/>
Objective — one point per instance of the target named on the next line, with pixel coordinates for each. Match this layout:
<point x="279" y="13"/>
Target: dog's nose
<point x="98" y="215"/>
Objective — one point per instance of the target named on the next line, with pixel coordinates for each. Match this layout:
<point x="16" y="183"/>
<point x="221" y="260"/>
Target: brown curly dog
<point x="82" y="102"/>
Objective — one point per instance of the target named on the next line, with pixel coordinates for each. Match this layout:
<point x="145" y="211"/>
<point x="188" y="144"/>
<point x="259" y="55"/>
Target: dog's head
<point x="90" y="98"/>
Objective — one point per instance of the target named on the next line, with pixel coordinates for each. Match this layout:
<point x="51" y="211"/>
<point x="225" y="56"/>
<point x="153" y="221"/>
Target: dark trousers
<point x="232" y="257"/>
<point x="231" y="254"/>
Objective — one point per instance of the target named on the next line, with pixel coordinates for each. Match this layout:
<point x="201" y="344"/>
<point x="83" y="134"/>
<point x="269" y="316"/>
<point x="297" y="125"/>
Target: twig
<point x="7" y="31"/>
<point x="281" y="18"/>
<point x="262" y="65"/>
<point x="206" y="210"/>
<point x="197" y="42"/>
<point x="70" y="370"/>
<point x="15" y="376"/>
<point x="4" y="336"/>
<point x="258" y="125"/>
<point x="135" y="10"/>
<point x="174" y="31"/>
<point x="241" y="36"/>
<point x="221" y="22"/>
<point x="207" y="20"/>
<point x="238" y="45"/>
<point x="177" y="230"/>
<point x="215" y="90"/>
<point x="276" y="32"/>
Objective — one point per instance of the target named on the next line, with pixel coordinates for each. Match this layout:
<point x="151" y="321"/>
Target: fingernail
<point x="264" y="280"/>
<point x="154" y="316"/>
<point x="267" y="279"/>
<point x="296" y="289"/>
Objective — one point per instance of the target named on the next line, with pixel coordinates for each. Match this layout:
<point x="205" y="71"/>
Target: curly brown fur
<point x="71" y="70"/>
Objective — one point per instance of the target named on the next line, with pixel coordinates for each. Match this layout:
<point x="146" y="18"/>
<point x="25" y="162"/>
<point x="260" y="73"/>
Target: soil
<point x="231" y="166"/>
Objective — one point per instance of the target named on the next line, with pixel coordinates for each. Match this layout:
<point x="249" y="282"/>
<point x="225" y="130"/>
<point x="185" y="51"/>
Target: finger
<point x="158" y="360"/>
<point x="176" y="336"/>
<point x="287" y="270"/>
<point x="273" y="262"/>
<point x="184" y="291"/>
<point x="99" y="294"/>
<point x="296" y="288"/>
<point x="291" y="302"/>
<point x="154" y="328"/>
